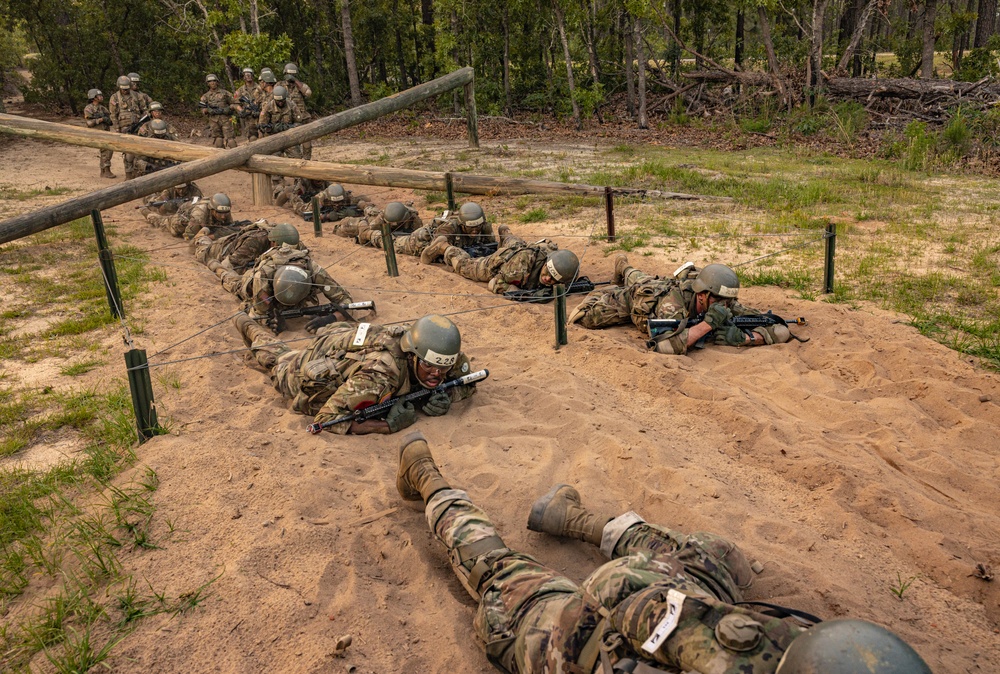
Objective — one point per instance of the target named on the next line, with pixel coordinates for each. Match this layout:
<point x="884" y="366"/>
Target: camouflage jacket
<point x="220" y="98"/>
<point x="271" y="113"/>
<point x="336" y="375"/>
<point x="248" y="245"/>
<point x="147" y="132"/>
<point x="251" y="91"/>
<point x="144" y="100"/>
<point x="457" y="236"/>
<point x="518" y="265"/>
<point x="258" y="285"/>
<point x="297" y="93"/>
<point x="97" y="115"/>
<point x="198" y="215"/>
<point x="126" y="109"/>
<point x="670" y="298"/>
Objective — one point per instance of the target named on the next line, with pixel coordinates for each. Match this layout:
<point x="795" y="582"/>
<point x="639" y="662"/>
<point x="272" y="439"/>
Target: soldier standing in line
<point x="248" y="91"/>
<point x="126" y="109"/>
<point x="298" y="92"/>
<point x="98" y="116"/>
<point x="217" y="104"/>
<point x="144" y="98"/>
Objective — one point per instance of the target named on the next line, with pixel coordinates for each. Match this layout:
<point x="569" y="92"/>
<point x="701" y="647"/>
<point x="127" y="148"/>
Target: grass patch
<point x="534" y="215"/>
<point x="10" y="193"/>
<point x="76" y="369"/>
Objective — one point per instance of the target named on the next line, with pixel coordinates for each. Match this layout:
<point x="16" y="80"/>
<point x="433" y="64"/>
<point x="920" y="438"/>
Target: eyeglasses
<point x="430" y="368"/>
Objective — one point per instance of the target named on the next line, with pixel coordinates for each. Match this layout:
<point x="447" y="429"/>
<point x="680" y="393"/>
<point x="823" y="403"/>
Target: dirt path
<point x="839" y="463"/>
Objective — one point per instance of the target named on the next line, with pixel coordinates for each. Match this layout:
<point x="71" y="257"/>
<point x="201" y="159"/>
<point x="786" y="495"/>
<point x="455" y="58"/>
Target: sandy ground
<point x="839" y="463"/>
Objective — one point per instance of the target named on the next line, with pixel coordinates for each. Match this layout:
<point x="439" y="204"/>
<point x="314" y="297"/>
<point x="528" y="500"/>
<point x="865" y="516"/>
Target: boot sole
<point x="407" y="440"/>
<point x="539" y="506"/>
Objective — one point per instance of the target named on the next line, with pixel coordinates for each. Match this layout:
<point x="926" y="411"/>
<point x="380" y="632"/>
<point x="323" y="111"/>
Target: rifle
<point x="481" y="249"/>
<point x="348" y="211"/>
<point x="581" y="285"/>
<point x="659" y="326"/>
<point x="175" y="200"/>
<point x="159" y="165"/>
<point x="382" y="408"/>
<point x="273" y="128"/>
<point x="249" y="107"/>
<point x="326" y="309"/>
<point x="135" y="126"/>
<point x="213" y="110"/>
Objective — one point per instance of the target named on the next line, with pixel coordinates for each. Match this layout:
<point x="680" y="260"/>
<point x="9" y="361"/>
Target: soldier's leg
<point x="474" y="269"/>
<point x="348" y="227"/>
<point x="307" y="150"/>
<point x="414" y="243"/>
<point x="129" y="159"/>
<point x="106" y="164"/>
<point x="520" y="600"/>
<point x="602" y="308"/>
<point x="231" y="281"/>
<point x="215" y="131"/>
<point x="228" y="135"/>
<point x="265" y="347"/>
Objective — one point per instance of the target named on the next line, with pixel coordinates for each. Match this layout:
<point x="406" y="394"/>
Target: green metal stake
<point x="141" y="387"/>
<point x="449" y="187"/>
<point x="107" y="260"/>
<point x="317" y="221"/>
<point x="390" y="250"/>
<point x="561" y="336"/>
<point x="831" y="251"/>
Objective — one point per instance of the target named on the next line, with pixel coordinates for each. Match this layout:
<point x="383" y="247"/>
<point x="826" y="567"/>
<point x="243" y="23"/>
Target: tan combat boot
<point x="453" y="256"/>
<point x="621" y="264"/>
<point x="213" y="265"/>
<point x="418" y="477"/>
<point x="106" y="172"/>
<point x="503" y="231"/>
<point x="249" y="329"/>
<point x="560" y="513"/>
<point x="435" y="250"/>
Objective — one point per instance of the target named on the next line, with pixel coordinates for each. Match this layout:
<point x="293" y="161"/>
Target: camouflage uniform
<point x="297" y="93"/>
<point x="220" y="125"/>
<point x="271" y="113"/>
<point x="239" y="251"/>
<point x="255" y="285"/>
<point x="532" y="619"/>
<point x="126" y="110"/>
<point x="643" y="297"/>
<point x="147" y="132"/>
<point x="299" y="200"/>
<point x="143" y="164"/>
<point x="189" y="219"/>
<point x="333" y="376"/>
<point x="186" y="191"/>
<point x="367" y="230"/>
<point x="450" y="227"/>
<point x="515" y="265"/>
<point x="144" y="100"/>
<point x="98" y="115"/>
<point x="248" y="122"/>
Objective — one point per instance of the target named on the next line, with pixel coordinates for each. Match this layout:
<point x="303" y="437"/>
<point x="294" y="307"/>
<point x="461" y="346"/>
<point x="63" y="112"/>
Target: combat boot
<point x="503" y="231"/>
<point x="106" y="172"/>
<point x="435" y="250"/>
<point x="281" y="198"/>
<point x="621" y="265"/>
<point x="249" y="329"/>
<point x="560" y="513"/>
<point x="213" y="265"/>
<point x="418" y="477"/>
<point x="453" y="256"/>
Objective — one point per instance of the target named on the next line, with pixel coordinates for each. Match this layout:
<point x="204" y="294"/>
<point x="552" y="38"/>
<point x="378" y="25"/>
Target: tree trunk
<point x="984" y="22"/>
<point x="859" y="30"/>
<point x="352" y="66"/>
<point x="427" y="35"/>
<point x="640" y="55"/>
<point x="629" y="67"/>
<point x="591" y="41"/>
<point x="506" y="61"/>
<point x="400" y="58"/>
<point x="254" y="19"/>
<point x="561" y="25"/>
<point x="675" y="66"/>
<point x="927" y="55"/>
<point x="814" y="72"/>
<point x="738" y="50"/>
<point x="456" y="104"/>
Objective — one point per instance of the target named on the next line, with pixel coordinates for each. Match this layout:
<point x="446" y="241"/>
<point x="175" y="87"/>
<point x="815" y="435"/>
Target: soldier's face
<point x="157" y="114"/>
<point x="546" y="279"/>
<point x="429" y="375"/>
<point x="213" y="85"/>
<point x="248" y="78"/>
<point x="706" y="299"/>
<point x="99" y="98"/>
<point x="280" y="103"/>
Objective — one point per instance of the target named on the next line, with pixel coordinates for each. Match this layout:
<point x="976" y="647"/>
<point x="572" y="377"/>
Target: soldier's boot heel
<point x="435" y="250"/>
<point x="560" y="513"/>
<point x="417" y="476"/>
<point x="249" y="329"/>
<point x="106" y="173"/>
<point x="621" y="265"/>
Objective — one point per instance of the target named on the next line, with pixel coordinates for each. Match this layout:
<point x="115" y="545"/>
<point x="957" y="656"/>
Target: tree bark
<point x="352" y="66"/>
<point x="508" y="108"/>
<point x="629" y="67"/>
<point x="859" y="31"/>
<point x="985" y="22"/>
<point x="641" y="58"/>
<point x="738" y="49"/>
<point x="765" y="33"/>
<point x="561" y="25"/>
<point x="927" y="54"/>
<point x="591" y="41"/>
<point x="815" y="76"/>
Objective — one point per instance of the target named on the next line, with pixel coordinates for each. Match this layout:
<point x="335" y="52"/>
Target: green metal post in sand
<point x="390" y="249"/>
<point x="449" y="187"/>
<point x="562" y="337"/>
<point x="107" y="260"/>
<point x="831" y="251"/>
<point x="317" y="218"/>
<point x="141" y="387"/>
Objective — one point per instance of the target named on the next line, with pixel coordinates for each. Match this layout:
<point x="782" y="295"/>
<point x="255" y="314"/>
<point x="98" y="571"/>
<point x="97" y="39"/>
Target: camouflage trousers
<point x="411" y="244"/>
<point x="206" y="248"/>
<point x="106" y="159"/>
<point x="348" y="227"/>
<point x="532" y="619"/>
<point x="614" y="306"/>
<point x="175" y="224"/>
<point x="220" y="130"/>
<point x="249" y="127"/>
<point x="238" y="284"/>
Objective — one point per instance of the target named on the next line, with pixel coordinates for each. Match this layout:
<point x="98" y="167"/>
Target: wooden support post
<point x="390" y="249"/>
<point x="141" y="387"/>
<point x="560" y="311"/>
<point x="317" y="218"/>
<point x="831" y="251"/>
<point x="449" y="188"/>
<point x="609" y="209"/>
<point x="471" y="120"/>
<point x="107" y="260"/>
<point x="263" y="193"/>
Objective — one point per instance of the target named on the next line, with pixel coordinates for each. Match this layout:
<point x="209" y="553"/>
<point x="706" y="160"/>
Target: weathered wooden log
<point x="32" y="223"/>
<point x="748" y="78"/>
<point x="344" y="173"/>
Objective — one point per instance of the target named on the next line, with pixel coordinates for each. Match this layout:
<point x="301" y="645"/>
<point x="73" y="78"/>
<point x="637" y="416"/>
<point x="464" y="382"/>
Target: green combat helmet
<point x="562" y="266"/>
<point x="268" y="77"/>
<point x="93" y="93"/>
<point x="719" y="280"/>
<point x="247" y="70"/>
<point x="849" y="647"/>
<point x="335" y="193"/>
<point x="472" y="216"/>
<point x="433" y="339"/>
<point x="159" y="128"/>
<point x="134" y="77"/>
<point x="219" y="202"/>
<point x="211" y="77"/>
<point x="291" y="69"/>
<point x="395" y="212"/>
<point x="124" y="82"/>
<point x="155" y="105"/>
<point x="291" y="284"/>
<point x="279" y="93"/>
<point x="283" y="233"/>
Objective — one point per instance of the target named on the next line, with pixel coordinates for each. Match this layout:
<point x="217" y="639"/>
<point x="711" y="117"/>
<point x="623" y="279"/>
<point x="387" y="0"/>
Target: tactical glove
<point x="278" y="127"/>
<point x="437" y="405"/>
<point x="730" y="335"/>
<point x="316" y="323"/>
<point x="718" y="315"/>
<point x="401" y="415"/>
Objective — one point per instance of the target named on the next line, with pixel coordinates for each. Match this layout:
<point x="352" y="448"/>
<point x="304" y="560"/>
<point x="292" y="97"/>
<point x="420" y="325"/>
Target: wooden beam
<point x="32" y="223"/>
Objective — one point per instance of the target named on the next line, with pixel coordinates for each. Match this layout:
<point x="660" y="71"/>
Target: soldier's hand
<point x="730" y="335"/>
<point x="437" y="405"/>
<point x="401" y="415"/>
<point x="318" y="322"/>
<point x="718" y="315"/>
